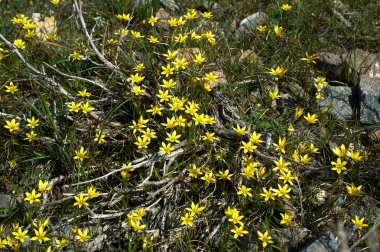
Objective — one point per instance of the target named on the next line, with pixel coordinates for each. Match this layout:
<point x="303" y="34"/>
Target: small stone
<point x="250" y="23"/>
<point x="363" y="62"/>
<point x="325" y="243"/>
<point x="331" y="64"/>
<point x="369" y="100"/>
<point x="170" y="5"/>
<point x="338" y="101"/>
<point x="5" y="200"/>
<point x="163" y="17"/>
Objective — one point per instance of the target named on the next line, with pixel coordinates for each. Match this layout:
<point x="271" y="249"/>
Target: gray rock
<point x="331" y="64"/>
<point x="170" y="5"/>
<point x="251" y="22"/>
<point x="339" y="102"/>
<point x="5" y="200"/>
<point x="325" y="243"/>
<point x="342" y="66"/>
<point x="363" y="62"/>
<point x="369" y="99"/>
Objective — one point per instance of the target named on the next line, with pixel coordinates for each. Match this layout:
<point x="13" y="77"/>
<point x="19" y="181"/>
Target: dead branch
<point x="78" y="10"/>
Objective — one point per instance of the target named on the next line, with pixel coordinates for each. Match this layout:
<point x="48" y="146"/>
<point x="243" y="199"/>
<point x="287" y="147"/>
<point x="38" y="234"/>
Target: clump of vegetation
<point x="129" y="128"/>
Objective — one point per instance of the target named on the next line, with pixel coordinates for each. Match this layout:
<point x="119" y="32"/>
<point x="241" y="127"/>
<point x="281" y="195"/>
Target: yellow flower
<point x="210" y="77"/>
<point x="61" y="243"/>
<point x="33" y="197"/>
<point x="136" y="78"/>
<point x="268" y="194"/>
<point x="168" y="84"/>
<point x="310" y="58"/>
<point x="191" y="14"/>
<point x="265" y="238"/>
<point x="286" y="7"/>
<point x="224" y="175"/>
<point x="149" y="134"/>
<point x="166" y="148"/>
<point x="92" y="193"/>
<point x="340" y="151"/>
<point x="339" y="166"/>
<point x="139" y="67"/>
<point x="82" y="235"/>
<point x="170" y="123"/>
<point x="180" y="21"/>
<point x="281" y="145"/>
<point x="180" y="63"/>
<point x="170" y="55"/>
<point x="195" y="209"/>
<point x="136" y="225"/>
<point x="99" y="137"/>
<point x="81" y="200"/>
<point x="240" y="131"/>
<point x="76" y="56"/>
<point x="280" y="165"/>
<point x="83" y="93"/>
<point x="168" y="70"/>
<point x="207" y="15"/>
<point x="248" y="147"/>
<point x="40" y="235"/>
<point x="209" y="137"/>
<point x="298" y="113"/>
<point x="152" y="20"/>
<point x="245" y="191"/>
<point x="262" y="28"/>
<point x="239" y="231"/>
<point x="137" y="90"/>
<point x="155" y="110"/>
<point x="209" y="178"/>
<point x="305" y="159"/>
<point x="86" y="108"/>
<point x="274" y="95"/>
<point x="20" y="234"/>
<point x="11" y="88"/>
<point x="287" y="177"/>
<point x="255" y="138"/>
<point x="153" y="39"/>
<point x="173" y="137"/>
<point x="43" y="186"/>
<point x="123" y="32"/>
<point x="355" y="156"/>
<point x="136" y="35"/>
<point x="277" y="72"/>
<point x="278" y="31"/>
<point x="12" y="125"/>
<point x="199" y="59"/>
<point x="81" y="154"/>
<point x="142" y="143"/>
<point x="173" y="22"/>
<point x="359" y="223"/>
<point x="55" y="2"/>
<point x="194" y="171"/>
<point x="354" y="190"/>
<point x="180" y="38"/>
<point x="164" y="95"/>
<point x="287" y="220"/>
<point x="187" y="220"/>
<point x="282" y="191"/>
<point x="32" y="123"/>
<point x="311" y="119"/>
<point x="19" y="43"/>
<point x="123" y="17"/>
<point x="74" y="107"/>
<point x="235" y="218"/>
<point x="31" y="136"/>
